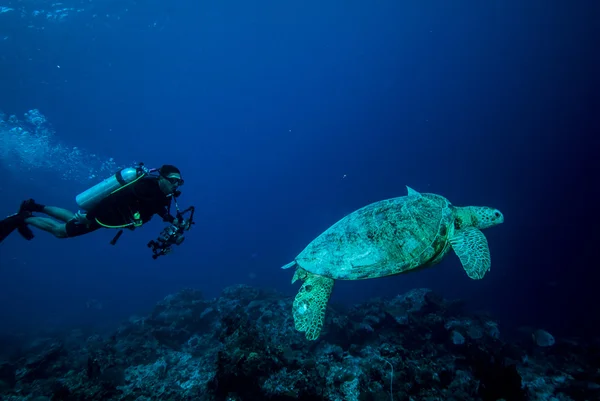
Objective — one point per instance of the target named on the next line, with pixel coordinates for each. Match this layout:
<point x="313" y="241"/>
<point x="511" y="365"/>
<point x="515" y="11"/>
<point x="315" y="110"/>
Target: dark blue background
<point x="266" y="105"/>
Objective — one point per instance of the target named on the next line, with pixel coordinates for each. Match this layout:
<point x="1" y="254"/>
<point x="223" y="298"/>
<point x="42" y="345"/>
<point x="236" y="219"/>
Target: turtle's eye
<point x="497" y="214"/>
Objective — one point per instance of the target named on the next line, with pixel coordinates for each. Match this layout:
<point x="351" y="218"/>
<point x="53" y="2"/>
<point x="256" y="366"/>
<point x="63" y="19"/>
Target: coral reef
<point x="243" y="346"/>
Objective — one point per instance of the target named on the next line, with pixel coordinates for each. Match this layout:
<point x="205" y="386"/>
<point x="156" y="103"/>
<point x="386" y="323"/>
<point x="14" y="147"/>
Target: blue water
<point x="286" y="116"/>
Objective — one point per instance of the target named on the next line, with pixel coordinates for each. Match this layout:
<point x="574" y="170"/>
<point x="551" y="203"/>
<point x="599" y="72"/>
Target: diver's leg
<point x="46" y="224"/>
<point x="58" y="213"/>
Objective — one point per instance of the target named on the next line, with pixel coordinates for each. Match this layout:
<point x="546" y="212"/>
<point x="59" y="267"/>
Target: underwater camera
<point x="173" y="234"/>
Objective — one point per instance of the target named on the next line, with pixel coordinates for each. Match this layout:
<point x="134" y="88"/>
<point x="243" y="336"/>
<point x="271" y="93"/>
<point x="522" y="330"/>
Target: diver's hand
<point x="81" y="218"/>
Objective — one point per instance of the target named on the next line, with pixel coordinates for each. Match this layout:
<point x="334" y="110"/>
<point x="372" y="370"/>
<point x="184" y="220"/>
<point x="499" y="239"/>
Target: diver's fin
<point x="25" y="232"/>
<point x="10" y="224"/>
<point x="15" y="222"/>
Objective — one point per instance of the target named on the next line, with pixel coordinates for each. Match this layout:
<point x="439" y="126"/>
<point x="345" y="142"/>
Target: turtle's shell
<point x="384" y="238"/>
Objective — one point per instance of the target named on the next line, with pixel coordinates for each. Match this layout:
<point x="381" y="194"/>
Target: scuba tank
<point x="92" y="196"/>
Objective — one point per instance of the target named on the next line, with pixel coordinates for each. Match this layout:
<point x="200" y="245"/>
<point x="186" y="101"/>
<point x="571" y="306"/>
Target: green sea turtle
<point x="385" y="238"/>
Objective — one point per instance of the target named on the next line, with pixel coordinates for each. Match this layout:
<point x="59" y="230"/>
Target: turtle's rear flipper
<point x="12" y="223"/>
<point x="471" y="247"/>
<point x="310" y="303"/>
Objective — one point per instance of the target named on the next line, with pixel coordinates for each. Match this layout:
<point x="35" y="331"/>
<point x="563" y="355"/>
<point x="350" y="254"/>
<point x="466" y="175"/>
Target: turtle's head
<point x="477" y="216"/>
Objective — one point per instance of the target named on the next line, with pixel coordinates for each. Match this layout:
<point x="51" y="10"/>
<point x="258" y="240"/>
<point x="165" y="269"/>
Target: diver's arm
<point x="165" y="213"/>
<point x="147" y="191"/>
<point x="166" y="216"/>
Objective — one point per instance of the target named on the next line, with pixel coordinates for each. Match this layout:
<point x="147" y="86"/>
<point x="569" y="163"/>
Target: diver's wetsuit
<point x="144" y="196"/>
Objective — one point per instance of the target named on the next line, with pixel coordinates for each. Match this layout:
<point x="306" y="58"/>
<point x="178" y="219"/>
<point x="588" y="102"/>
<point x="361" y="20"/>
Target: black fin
<point x="25" y="232"/>
<point x="10" y="224"/>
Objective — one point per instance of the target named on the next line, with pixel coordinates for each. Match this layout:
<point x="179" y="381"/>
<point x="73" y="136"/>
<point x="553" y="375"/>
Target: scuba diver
<point x="127" y="199"/>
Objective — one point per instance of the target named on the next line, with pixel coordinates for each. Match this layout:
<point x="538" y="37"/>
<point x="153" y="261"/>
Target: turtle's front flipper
<point x="472" y="249"/>
<point x="310" y="303"/>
